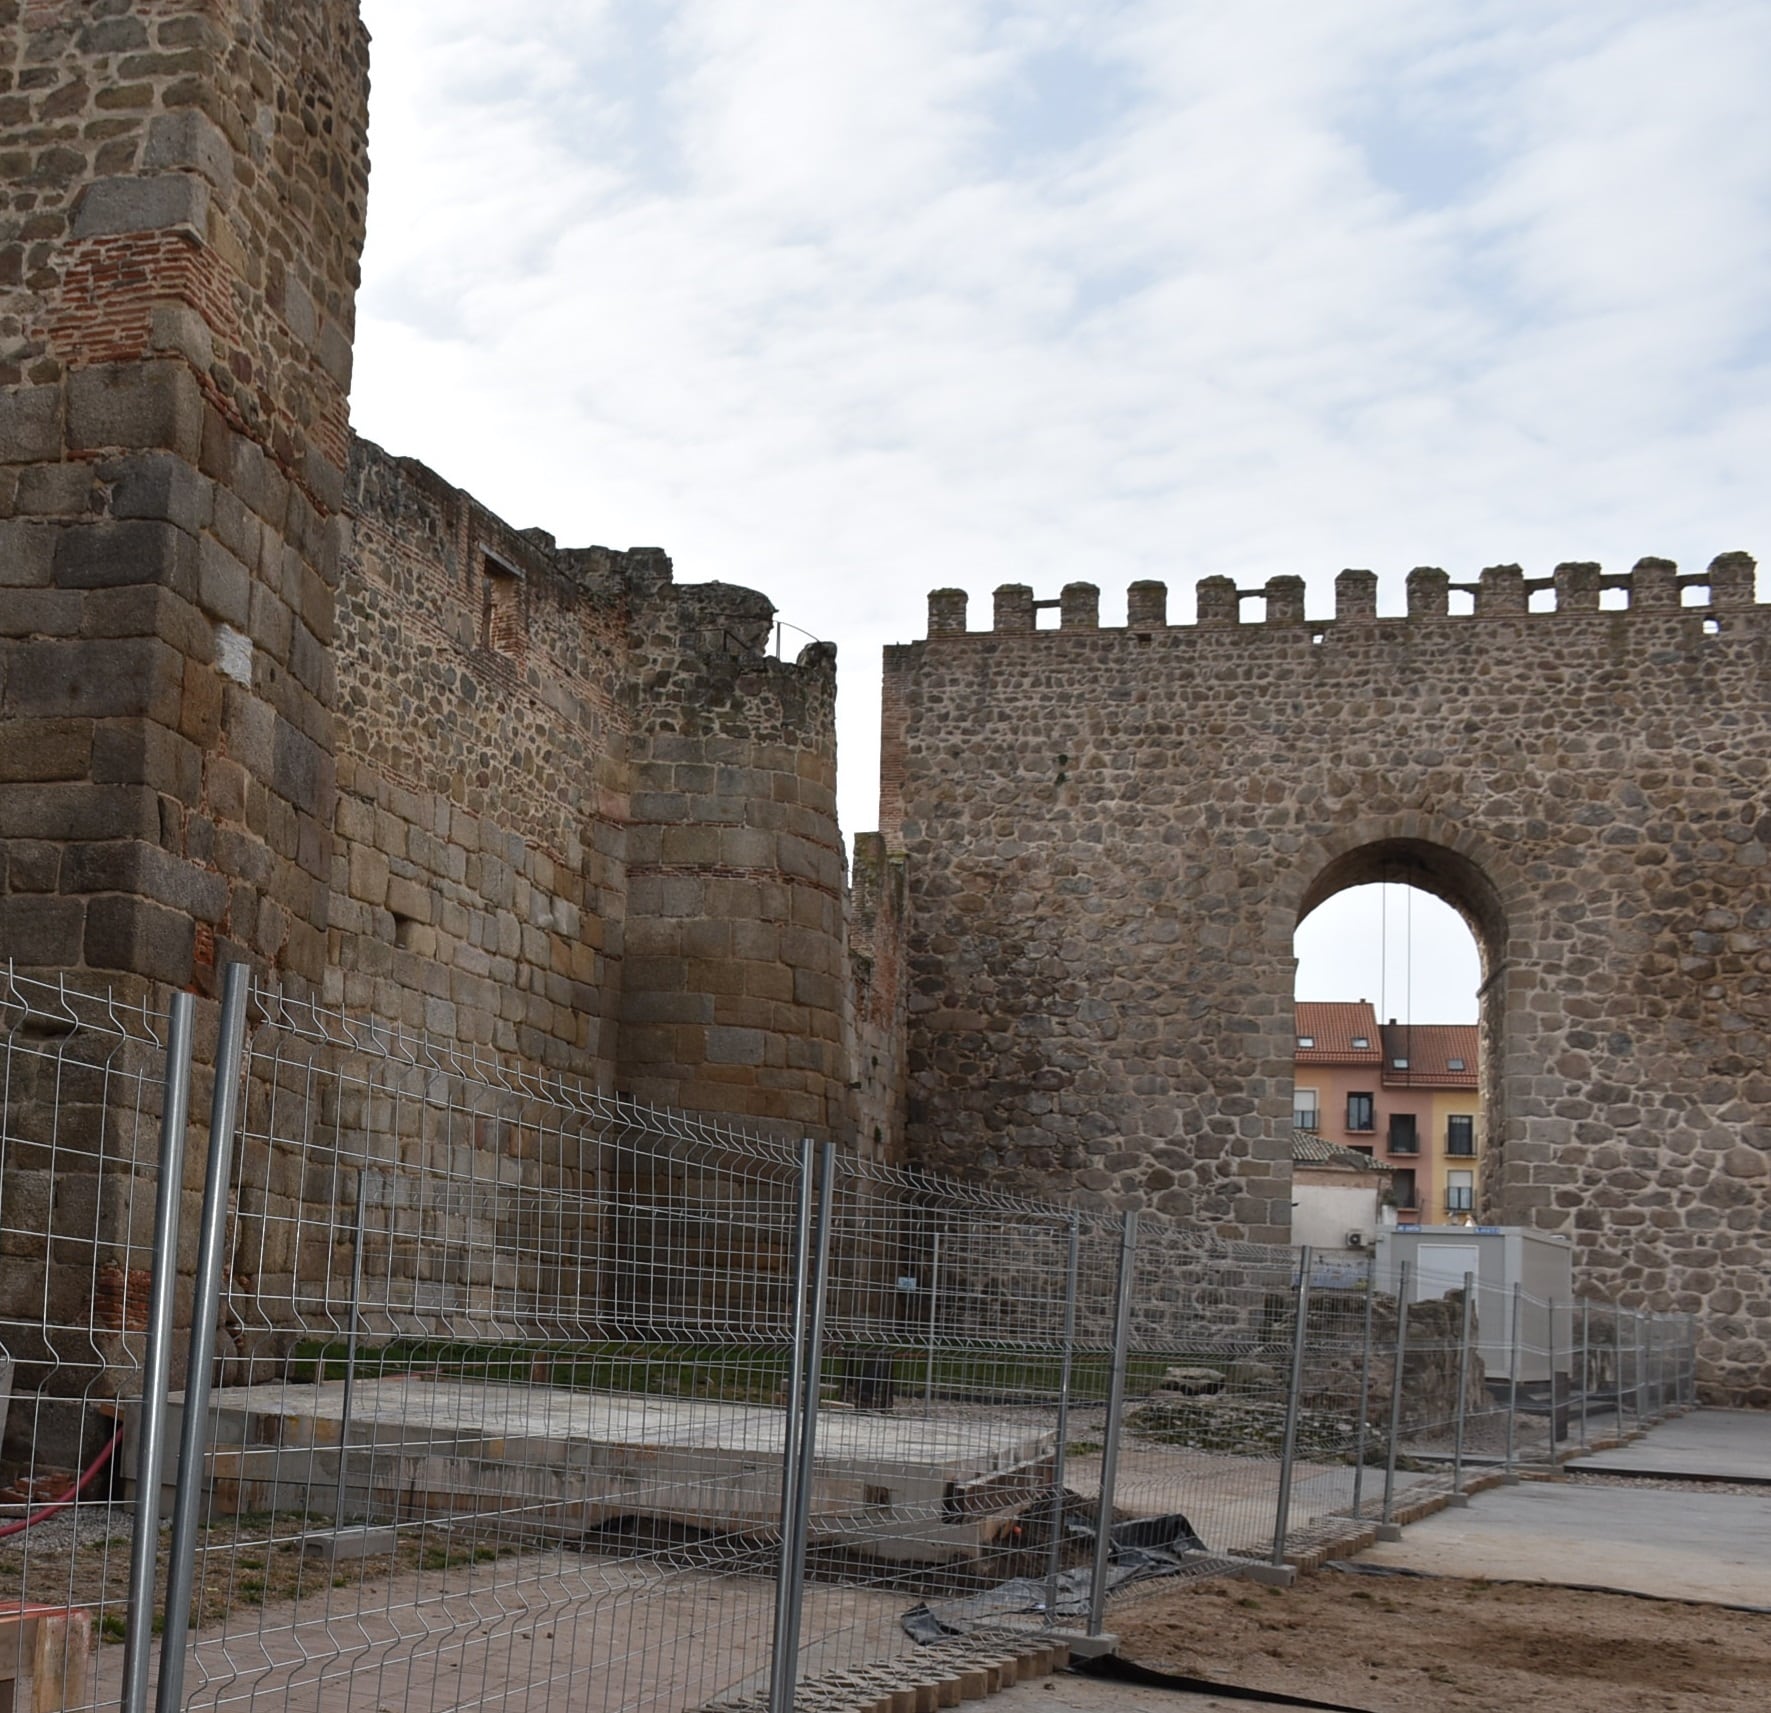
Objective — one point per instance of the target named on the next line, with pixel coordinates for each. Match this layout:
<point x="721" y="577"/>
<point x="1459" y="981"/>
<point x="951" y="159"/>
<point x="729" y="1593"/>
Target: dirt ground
<point x="1426" y="1645"/>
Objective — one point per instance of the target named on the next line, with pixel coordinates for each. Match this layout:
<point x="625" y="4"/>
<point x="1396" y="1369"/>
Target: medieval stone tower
<point x="182" y="231"/>
<point x="269" y="693"/>
<point x="1112" y="835"/>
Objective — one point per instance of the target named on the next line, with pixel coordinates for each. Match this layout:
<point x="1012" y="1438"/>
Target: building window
<point x="1460" y="1133"/>
<point x="1306" y="1040"/>
<point x="1362" y="1148"/>
<point x="1454" y="1064"/>
<point x="1359" y="1112"/>
<point x="1460" y="1192"/>
<point x="1304" y="1115"/>
<point x="1403" y="1137"/>
<point x="1402" y="1188"/>
<point x="1398" y="1064"/>
<point x="1361" y="1042"/>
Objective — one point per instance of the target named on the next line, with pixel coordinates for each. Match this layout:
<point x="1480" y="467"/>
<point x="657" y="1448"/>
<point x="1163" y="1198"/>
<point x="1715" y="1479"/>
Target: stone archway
<point x="1112" y="833"/>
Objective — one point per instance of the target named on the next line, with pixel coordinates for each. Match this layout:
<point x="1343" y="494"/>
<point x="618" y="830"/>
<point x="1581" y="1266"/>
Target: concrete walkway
<point x="1717" y="1445"/>
<point x="1682" y="1544"/>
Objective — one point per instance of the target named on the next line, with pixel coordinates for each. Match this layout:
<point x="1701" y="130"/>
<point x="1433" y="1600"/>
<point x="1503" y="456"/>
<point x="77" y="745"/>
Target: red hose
<point x="67" y="1498"/>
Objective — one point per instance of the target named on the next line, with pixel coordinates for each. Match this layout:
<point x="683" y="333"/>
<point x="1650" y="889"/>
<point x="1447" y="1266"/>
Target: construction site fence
<point x="349" y="1370"/>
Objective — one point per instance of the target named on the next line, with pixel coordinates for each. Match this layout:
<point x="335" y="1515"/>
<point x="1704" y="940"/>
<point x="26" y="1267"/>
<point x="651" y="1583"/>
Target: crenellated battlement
<point x="1575" y="586"/>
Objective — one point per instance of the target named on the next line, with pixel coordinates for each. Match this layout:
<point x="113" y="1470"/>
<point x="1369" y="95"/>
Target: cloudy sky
<point x="849" y="299"/>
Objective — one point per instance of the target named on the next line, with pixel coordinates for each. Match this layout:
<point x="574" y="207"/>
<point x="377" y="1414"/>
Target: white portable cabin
<point x="1499" y="1257"/>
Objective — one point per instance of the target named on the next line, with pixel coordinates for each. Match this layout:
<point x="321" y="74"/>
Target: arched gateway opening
<point x="1394" y="1005"/>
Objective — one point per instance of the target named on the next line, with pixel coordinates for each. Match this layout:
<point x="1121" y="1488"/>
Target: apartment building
<point x="1403" y="1093"/>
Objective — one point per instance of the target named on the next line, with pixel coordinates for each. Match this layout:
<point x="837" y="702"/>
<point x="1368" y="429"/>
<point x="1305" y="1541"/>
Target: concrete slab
<point x="1680" y="1545"/>
<point x="541" y="1462"/>
<point x="1714" y="1445"/>
<point x="1233" y="1501"/>
<point x="531" y="1634"/>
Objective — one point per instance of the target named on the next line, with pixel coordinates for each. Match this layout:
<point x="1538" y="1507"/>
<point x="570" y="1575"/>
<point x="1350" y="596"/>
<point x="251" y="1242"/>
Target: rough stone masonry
<point x="1112" y="835"/>
<point x="268" y="692"/>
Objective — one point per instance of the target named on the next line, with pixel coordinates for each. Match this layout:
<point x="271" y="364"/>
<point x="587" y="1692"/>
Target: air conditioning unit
<point x="1355" y="1239"/>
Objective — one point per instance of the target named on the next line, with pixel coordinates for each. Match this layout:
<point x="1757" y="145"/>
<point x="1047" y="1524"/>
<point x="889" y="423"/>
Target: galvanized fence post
<point x="1294" y="1398"/>
<point x="1359" y="1431"/>
<point x="351" y="1339"/>
<point x="1515" y="1358"/>
<point x="1617" y="1315"/>
<point x="1558" y="1387"/>
<point x="1586" y="1369"/>
<point x="1636" y="1363"/>
<point x="781" y="1676"/>
<point x="1055" y="1562"/>
<point x="1396" y="1394"/>
<point x="928" y="1383"/>
<point x="150" y="1452"/>
<point x="1128" y="1255"/>
<point x="1463" y="1384"/>
<point x="785" y="1673"/>
<point x="224" y="1115"/>
<point x="1691" y="1359"/>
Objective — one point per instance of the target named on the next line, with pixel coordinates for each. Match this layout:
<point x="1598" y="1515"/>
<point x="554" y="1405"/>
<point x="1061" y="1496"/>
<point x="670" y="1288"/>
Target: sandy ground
<point x="1402" y="1644"/>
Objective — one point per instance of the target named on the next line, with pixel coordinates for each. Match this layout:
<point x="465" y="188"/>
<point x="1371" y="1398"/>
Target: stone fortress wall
<point x="269" y="693"/>
<point x="1111" y="836"/>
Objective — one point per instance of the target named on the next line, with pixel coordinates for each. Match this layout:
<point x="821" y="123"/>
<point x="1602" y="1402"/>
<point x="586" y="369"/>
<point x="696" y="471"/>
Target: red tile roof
<point x="1333" y="1026"/>
<point x="1429" y="1049"/>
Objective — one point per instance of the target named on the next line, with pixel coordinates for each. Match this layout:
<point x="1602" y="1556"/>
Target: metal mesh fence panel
<point x="504" y="1394"/>
<point x="1207" y="1376"/>
<point x="956" y="1401"/>
<point x="498" y="1417"/>
<point x="81" y="1090"/>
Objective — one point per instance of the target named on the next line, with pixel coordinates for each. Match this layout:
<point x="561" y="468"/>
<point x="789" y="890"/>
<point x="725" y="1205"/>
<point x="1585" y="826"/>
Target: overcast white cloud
<point x="847" y="299"/>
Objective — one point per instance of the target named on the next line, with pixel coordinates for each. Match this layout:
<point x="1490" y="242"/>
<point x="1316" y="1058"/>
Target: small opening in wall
<point x="1614" y="600"/>
<point x="1258" y="616"/>
<point x="501" y="613"/>
<point x="1047" y="617"/>
<point x="1317" y="635"/>
<point x="1460" y="603"/>
<point x="1695" y="595"/>
<point x="406" y="932"/>
<point x="1541" y="601"/>
<point x="1712" y="627"/>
